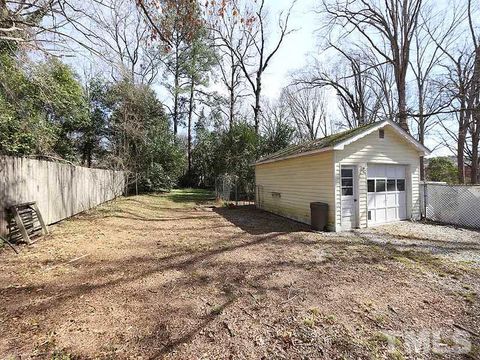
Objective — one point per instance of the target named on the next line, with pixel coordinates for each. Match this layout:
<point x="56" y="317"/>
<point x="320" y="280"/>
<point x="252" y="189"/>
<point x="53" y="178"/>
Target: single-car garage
<point x="368" y="176"/>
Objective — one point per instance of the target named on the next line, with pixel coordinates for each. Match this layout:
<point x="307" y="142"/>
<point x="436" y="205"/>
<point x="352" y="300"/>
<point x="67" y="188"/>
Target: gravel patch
<point x="456" y="244"/>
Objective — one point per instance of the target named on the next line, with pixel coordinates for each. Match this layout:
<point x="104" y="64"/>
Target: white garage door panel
<point x="380" y="200"/>
<point x="392" y="199"/>
<point x="380" y="216"/>
<point x="392" y="213"/>
<point x="386" y="195"/>
<point x="384" y="171"/>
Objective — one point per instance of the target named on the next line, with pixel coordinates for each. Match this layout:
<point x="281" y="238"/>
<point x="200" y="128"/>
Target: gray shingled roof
<point x="317" y="144"/>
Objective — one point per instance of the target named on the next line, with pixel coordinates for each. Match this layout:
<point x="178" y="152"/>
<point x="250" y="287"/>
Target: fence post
<point x="425" y="197"/>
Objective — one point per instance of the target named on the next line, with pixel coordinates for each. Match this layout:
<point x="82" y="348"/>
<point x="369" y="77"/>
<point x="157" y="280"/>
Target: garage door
<point x="387" y="200"/>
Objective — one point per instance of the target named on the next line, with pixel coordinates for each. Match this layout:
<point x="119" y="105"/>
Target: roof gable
<point x="339" y="141"/>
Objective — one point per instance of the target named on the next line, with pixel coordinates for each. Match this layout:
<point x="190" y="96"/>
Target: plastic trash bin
<point x="319" y="215"/>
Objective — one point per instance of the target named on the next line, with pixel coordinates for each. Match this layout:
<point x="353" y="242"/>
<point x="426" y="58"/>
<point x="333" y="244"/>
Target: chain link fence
<point x="451" y="204"/>
<point x="234" y="190"/>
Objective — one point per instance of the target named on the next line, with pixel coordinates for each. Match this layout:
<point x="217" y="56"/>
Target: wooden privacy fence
<point x="60" y="190"/>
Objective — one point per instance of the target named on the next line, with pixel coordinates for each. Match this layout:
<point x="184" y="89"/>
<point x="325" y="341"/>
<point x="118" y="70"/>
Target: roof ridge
<point x="310" y="145"/>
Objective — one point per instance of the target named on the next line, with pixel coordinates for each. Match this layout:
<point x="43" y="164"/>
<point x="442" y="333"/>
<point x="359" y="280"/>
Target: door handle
<point x="355" y="200"/>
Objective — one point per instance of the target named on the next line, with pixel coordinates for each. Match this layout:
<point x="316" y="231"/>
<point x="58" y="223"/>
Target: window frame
<point x="344" y="176"/>
<point x="386" y="181"/>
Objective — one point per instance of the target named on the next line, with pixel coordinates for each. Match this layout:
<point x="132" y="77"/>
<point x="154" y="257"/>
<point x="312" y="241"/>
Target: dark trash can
<point x="319" y="215"/>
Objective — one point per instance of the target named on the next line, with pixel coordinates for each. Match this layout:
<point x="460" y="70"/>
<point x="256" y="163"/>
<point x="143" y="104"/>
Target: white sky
<point x="297" y="46"/>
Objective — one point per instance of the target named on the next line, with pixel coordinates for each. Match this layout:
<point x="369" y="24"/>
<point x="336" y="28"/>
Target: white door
<point x="349" y="200"/>
<point x="387" y="199"/>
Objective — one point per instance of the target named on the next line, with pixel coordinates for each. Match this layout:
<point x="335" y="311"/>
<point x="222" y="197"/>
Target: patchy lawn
<point x="173" y="277"/>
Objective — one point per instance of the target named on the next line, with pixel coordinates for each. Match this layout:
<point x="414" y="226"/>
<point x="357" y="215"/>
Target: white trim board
<point x="395" y="127"/>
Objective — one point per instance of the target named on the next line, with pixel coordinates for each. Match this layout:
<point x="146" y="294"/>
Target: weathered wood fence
<point x="60" y="190"/>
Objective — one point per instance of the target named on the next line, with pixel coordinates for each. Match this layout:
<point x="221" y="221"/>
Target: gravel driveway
<point x="456" y="244"/>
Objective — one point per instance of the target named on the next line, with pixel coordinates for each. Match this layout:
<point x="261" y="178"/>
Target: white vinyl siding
<point x="287" y="187"/>
<point x="392" y="149"/>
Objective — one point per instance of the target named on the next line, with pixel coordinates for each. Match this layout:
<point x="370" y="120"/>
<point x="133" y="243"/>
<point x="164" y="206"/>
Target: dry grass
<point x="171" y="276"/>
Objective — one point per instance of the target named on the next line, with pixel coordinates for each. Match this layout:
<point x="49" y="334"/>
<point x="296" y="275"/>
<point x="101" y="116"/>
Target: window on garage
<point x="347" y="182"/>
<point x="371" y="185"/>
<point x="379" y="185"/>
<point x="391" y="185"/>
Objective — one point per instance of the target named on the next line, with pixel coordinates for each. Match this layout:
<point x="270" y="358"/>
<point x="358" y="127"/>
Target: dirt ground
<point x="171" y="276"/>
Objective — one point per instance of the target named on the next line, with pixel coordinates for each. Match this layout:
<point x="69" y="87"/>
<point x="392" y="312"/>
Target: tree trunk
<point x="462" y="126"/>
<point x="232" y="92"/>
<point x="421" y="126"/>
<point x="421" y="139"/>
<point x="461" y="153"/>
<point x="256" y="109"/>
<point x="402" y="105"/>
<point x="231" y="114"/>
<point x="89" y="157"/>
<point x="475" y="127"/>
<point x="176" y="90"/>
<point x="175" y="104"/>
<point x="189" y="136"/>
<point x="474" y="166"/>
<point x="474" y="115"/>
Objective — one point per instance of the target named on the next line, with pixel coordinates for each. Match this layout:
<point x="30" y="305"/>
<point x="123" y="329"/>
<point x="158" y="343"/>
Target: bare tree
<point x="276" y="112"/>
<point x="122" y="39"/>
<point x="307" y="107"/>
<point x="474" y="96"/>
<point x="458" y="73"/>
<point x="23" y="22"/>
<point x="225" y="24"/>
<point x="360" y="97"/>
<point x="389" y="22"/>
<point x="428" y="40"/>
<point x="463" y="90"/>
<point x="55" y="27"/>
<point x="253" y="56"/>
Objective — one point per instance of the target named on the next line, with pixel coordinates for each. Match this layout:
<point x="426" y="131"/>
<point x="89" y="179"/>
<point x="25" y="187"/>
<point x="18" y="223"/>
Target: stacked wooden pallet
<point x="25" y="222"/>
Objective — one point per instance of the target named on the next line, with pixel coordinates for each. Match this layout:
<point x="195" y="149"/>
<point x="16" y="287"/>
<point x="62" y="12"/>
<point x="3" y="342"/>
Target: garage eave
<point x="402" y="133"/>
<point x="313" y="152"/>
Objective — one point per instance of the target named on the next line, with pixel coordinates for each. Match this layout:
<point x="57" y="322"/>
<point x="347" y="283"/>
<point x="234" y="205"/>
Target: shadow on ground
<point x="161" y="282"/>
<point x="258" y="222"/>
